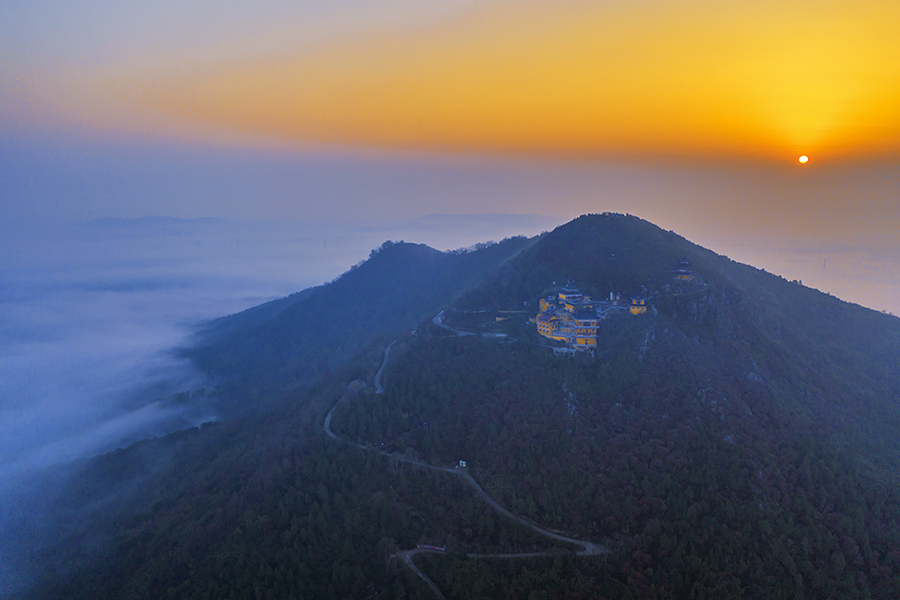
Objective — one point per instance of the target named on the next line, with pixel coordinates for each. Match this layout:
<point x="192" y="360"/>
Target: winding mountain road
<point x="379" y="388"/>
<point x="406" y="556"/>
<point x="439" y="321"/>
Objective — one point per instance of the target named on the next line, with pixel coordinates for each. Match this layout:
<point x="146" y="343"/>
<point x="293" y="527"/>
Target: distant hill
<point x="739" y="439"/>
<point x="291" y="341"/>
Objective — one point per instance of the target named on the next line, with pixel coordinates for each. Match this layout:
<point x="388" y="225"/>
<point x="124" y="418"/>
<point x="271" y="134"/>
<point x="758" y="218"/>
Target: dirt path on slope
<point x="439" y="321"/>
<point x="406" y="556"/>
<point x="379" y="388"/>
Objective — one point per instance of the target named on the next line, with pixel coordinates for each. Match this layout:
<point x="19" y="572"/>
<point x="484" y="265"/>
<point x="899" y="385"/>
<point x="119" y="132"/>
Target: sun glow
<point x="571" y="78"/>
<point x="804" y="159"/>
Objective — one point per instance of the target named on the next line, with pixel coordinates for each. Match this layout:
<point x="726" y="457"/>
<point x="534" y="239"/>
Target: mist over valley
<point x="416" y="300"/>
<point x="116" y="331"/>
<point x="93" y="316"/>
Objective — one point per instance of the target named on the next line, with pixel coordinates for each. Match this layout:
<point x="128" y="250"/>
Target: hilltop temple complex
<point x="574" y="318"/>
<point x="571" y="318"/>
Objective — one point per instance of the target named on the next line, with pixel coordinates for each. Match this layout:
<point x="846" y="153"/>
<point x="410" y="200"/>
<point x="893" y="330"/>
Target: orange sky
<point x="691" y="114"/>
<point x="769" y="80"/>
<point x="649" y="80"/>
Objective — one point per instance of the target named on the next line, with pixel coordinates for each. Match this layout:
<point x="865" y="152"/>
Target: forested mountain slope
<point x="289" y="342"/>
<point x="738" y="440"/>
<point x="80" y="529"/>
<point x="830" y="360"/>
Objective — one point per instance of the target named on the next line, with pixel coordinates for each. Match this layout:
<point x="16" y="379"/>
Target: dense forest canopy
<point x="739" y="439"/>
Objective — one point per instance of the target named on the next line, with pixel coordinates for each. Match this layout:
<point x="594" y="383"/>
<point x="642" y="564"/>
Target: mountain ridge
<point x="739" y="393"/>
<point x="308" y="333"/>
<point x="738" y="439"/>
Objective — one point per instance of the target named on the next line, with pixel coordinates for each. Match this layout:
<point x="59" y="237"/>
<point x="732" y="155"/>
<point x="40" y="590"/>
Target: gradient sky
<point x="691" y="114"/>
<point x="341" y="115"/>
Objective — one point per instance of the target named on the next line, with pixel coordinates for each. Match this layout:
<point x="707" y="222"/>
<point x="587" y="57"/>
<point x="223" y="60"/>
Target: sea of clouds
<point x="92" y="315"/>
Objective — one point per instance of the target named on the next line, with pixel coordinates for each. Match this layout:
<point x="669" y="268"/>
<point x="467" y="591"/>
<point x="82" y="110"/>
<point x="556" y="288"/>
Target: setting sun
<point x="804" y="159"/>
<point x="570" y="79"/>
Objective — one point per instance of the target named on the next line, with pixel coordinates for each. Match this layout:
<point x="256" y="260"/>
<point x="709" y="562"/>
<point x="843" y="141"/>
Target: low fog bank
<point x="92" y="315"/>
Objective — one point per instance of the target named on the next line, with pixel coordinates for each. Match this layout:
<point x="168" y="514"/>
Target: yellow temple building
<point x="570" y="317"/>
<point x="638" y="306"/>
